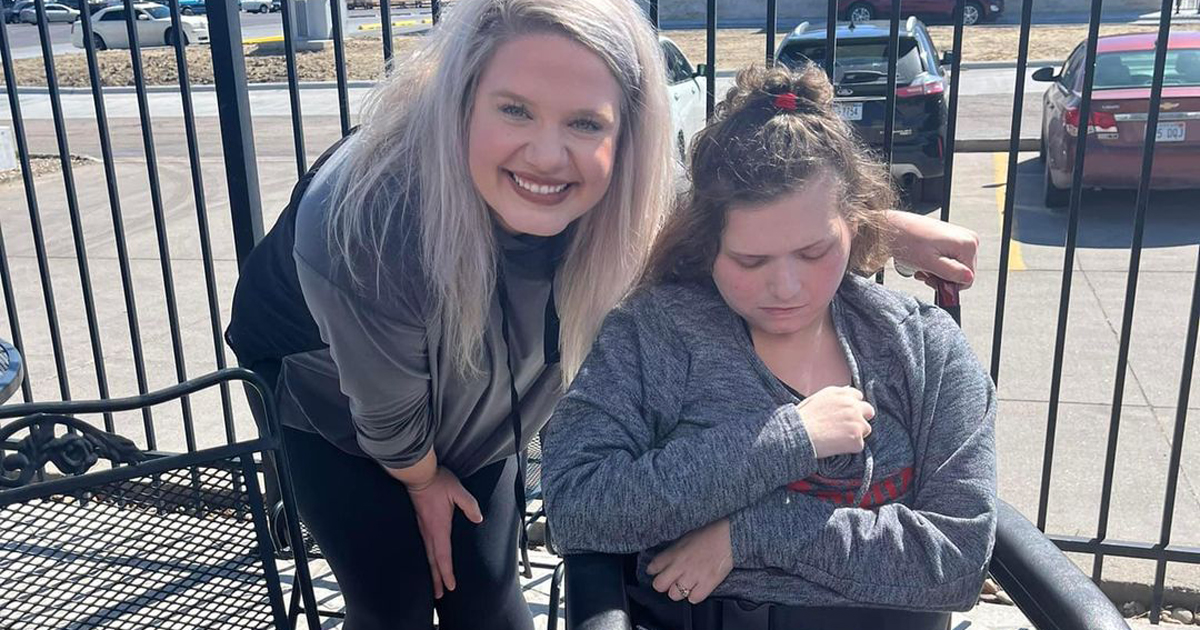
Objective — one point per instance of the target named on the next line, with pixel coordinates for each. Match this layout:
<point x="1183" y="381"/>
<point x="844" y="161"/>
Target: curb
<point x="199" y="87"/>
<point x="994" y="145"/>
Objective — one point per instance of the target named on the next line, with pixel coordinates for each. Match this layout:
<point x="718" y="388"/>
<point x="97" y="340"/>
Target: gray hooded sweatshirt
<point x="674" y="422"/>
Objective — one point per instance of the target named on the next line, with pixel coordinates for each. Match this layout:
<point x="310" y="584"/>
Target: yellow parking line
<point x="376" y="27"/>
<point x="1000" y="166"/>
<point x="263" y="40"/>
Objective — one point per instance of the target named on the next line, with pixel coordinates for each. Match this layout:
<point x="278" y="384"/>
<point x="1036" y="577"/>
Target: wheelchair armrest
<point x="1048" y="588"/>
<point x="595" y="592"/>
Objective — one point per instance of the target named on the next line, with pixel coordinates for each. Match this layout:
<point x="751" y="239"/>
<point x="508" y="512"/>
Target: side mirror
<point x="143" y="17"/>
<point x="701" y="70"/>
<point x="1045" y="74"/>
<point x="948" y="58"/>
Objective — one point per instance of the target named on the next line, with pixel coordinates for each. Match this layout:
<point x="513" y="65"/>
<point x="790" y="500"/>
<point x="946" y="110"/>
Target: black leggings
<point x="365" y="525"/>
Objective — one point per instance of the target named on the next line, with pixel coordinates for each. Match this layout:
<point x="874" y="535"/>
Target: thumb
<point x="468" y="505"/>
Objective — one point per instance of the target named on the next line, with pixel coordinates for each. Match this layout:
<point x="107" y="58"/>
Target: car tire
<point x="1054" y="198"/>
<point x="188" y="11"/>
<point x="98" y="42"/>
<point x="972" y="13"/>
<point x="169" y="38"/>
<point x="860" y="12"/>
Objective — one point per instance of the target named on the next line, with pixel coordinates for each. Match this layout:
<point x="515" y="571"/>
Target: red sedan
<point x="1117" y="125"/>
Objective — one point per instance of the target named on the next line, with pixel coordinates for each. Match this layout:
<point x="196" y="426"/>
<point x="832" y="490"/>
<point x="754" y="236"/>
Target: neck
<point x="807" y="359"/>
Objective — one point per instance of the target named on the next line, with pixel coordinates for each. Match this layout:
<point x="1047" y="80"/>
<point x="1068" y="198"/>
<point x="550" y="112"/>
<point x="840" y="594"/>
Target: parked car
<point x="974" y="11"/>
<point x="860" y="81"/>
<point x="12" y="13"/>
<point x="686" y="87"/>
<point x="1116" y="128"/>
<point x="259" y="6"/>
<point x="154" y="27"/>
<point x="54" y="13"/>
<point x="193" y="7"/>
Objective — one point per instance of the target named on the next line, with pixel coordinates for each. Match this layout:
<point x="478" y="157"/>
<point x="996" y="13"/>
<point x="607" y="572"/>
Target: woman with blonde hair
<point x="442" y="272"/>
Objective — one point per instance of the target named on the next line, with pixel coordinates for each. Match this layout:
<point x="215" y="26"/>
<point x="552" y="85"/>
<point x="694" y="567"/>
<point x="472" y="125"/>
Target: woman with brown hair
<point x="763" y="423"/>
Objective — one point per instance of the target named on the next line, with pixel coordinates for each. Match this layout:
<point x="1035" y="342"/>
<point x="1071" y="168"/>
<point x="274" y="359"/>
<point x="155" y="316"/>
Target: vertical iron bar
<point x="710" y="76"/>
<point x="1010" y="200"/>
<point x="385" y="19"/>
<point x="889" y="120"/>
<point x="654" y="13"/>
<point x="1064" y="300"/>
<point x="1181" y="414"/>
<point x="952" y="112"/>
<point x="14" y="322"/>
<point x="160" y="220"/>
<point x="772" y="9"/>
<point x="114" y="203"/>
<point x="68" y="175"/>
<point x="1131" y="282"/>
<point x="435" y="11"/>
<point x="237" y="132"/>
<point x="339" y="63"/>
<point x="35" y="221"/>
<point x="830" y="37"/>
<point x="293" y="81"/>
<point x="206" y="253"/>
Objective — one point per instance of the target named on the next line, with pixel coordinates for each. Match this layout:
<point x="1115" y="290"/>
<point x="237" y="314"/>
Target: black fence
<point x="225" y="230"/>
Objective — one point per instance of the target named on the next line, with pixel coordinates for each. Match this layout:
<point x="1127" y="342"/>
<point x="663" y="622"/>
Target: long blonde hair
<point x="410" y="156"/>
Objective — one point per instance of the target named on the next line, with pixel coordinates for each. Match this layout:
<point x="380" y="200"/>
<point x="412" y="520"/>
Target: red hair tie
<point x="786" y="102"/>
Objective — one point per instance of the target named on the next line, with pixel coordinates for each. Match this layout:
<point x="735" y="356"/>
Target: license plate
<point x="1171" y="132"/>
<point x="848" y="111"/>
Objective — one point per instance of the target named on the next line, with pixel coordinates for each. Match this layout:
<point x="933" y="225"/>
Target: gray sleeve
<point x="611" y="488"/>
<point x="382" y="366"/>
<point x="931" y="556"/>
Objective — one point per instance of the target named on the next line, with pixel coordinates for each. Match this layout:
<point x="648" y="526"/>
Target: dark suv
<point x="860" y="84"/>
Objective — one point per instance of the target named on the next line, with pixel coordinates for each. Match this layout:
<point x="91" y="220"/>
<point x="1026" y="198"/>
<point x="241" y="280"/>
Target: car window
<point x="113" y="16"/>
<point x="159" y="12"/>
<point x="1136" y="69"/>
<point x="678" y="68"/>
<point x="859" y="55"/>
<point x="1070" y="71"/>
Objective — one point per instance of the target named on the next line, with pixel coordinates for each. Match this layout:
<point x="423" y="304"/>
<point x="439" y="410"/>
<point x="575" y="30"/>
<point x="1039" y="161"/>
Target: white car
<point x="685" y="86"/>
<point x="154" y="27"/>
<point x="258" y="6"/>
<point x="54" y="13"/>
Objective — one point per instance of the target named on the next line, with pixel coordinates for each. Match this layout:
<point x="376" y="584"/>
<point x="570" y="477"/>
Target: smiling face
<point x="543" y="133"/>
<point x="781" y="262"/>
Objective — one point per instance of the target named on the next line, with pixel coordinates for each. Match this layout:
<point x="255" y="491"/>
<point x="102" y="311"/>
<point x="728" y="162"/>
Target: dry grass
<point x="736" y="48"/>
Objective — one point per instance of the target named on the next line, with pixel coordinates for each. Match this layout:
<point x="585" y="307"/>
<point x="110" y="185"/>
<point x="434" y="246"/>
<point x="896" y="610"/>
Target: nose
<point x="546" y="151"/>
<point x="784" y="281"/>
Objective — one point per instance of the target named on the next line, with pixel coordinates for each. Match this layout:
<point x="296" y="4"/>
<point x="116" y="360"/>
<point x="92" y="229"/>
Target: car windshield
<point x="864" y="60"/>
<point x="158" y="12"/>
<point x="1136" y="69"/>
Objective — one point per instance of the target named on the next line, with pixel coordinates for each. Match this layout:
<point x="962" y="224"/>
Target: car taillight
<point x="922" y="88"/>
<point x="1100" y="122"/>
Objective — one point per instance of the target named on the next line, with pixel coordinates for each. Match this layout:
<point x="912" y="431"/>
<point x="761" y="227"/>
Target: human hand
<point x="696" y="564"/>
<point x="935" y="249"/>
<point x="837" y="420"/>
<point x="435" y="502"/>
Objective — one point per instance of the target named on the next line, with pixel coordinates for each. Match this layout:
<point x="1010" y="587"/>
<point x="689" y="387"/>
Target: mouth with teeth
<point x="546" y="194"/>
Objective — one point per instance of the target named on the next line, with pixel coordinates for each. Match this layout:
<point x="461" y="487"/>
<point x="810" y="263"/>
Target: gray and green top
<point x="674" y="422"/>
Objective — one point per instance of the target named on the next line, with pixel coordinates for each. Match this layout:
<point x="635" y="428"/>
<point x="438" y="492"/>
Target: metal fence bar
<point x="654" y="13"/>
<point x="830" y="37"/>
<point x="114" y="202"/>
<point x="289" y="59"/>
<point x="1131" y="286"/>
<point x="14" y="321"/>
<point x="206" y="252"/>
<point x="339" y="59"/>
<point x="35" y="221"/>
<point x="710" y="72"/>
<point x="68" y="176"/>
<point x="952" y="111"/>
<point x="1181" y="414"/>
<point x="1127" y="549"/>
<point x="385" y="19"/>
<point x="772" y="10"/>
<point x="435" y="11"/>
<point x="1064" y="303"/>
<point x="160" y="221"/>
<point x="1010" y="200"/>
<point x="889" y="116"/>
<point x="237" y="133"/>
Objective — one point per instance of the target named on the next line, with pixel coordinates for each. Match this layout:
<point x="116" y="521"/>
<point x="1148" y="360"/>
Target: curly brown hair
<point x="753" y="152"/>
